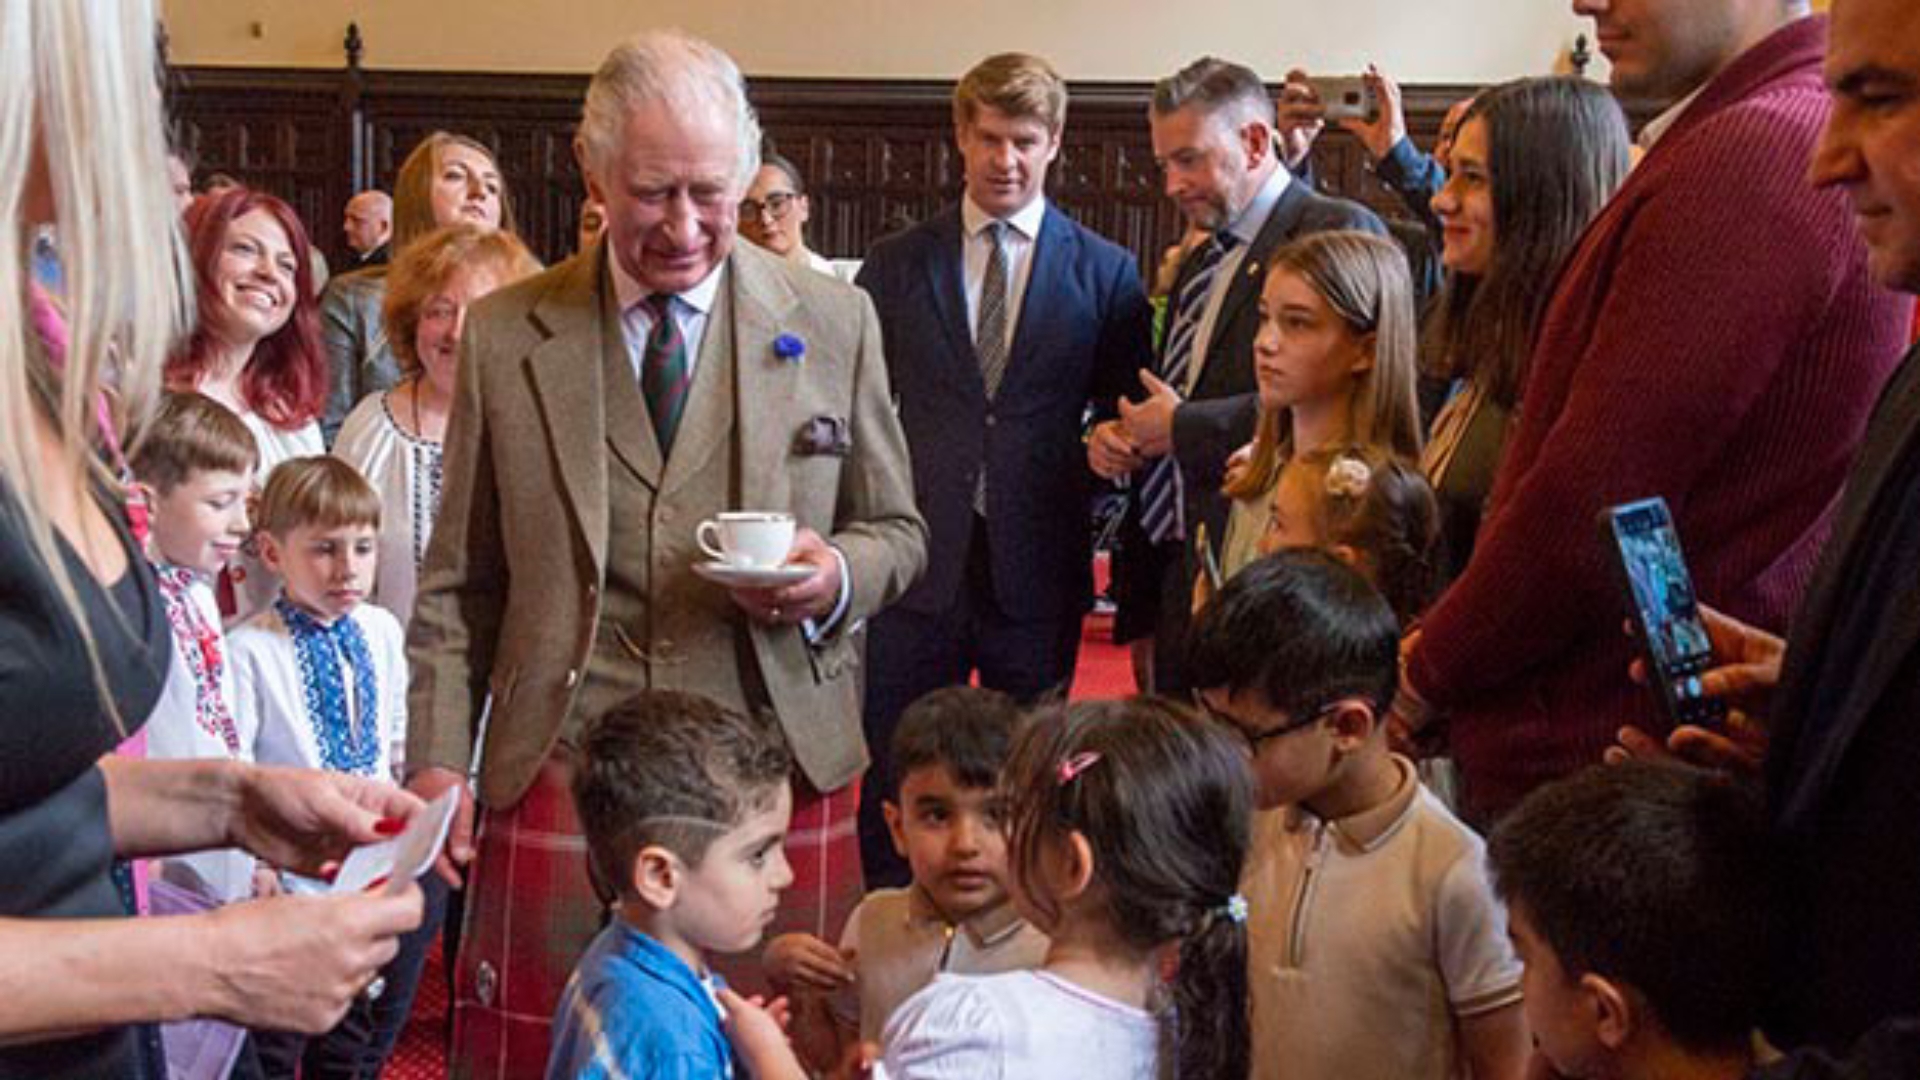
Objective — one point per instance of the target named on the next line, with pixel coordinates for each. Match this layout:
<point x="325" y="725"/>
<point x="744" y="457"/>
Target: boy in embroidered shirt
<point x="948" y="820"/>
<point x="322" y="678"/>
<point x="684" y="806"/>
<point x="195" y="468"/>
<point x="322" y="674"/>
<point x="1376" y="947"/>
<point x="1639" y="898"/>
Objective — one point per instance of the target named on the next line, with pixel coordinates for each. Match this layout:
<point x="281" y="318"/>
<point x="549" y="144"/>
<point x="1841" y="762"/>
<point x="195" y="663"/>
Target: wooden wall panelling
<point x="875" y="152"/>
<point x="280" y="132"/>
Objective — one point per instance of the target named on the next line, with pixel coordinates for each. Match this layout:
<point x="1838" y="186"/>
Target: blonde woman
<point x="446" y="180"/>
<point x="395" y="437"/>
<point x="83" y="644"/>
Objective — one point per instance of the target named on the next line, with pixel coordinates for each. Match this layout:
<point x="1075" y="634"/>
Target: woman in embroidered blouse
<point x="394" y="437"/>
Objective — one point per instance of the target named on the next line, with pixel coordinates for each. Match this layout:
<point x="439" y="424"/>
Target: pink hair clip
<point x="1077" y="764"/>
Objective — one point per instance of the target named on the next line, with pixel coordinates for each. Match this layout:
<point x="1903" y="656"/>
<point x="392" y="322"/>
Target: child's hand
<point x="805" y="960"/>
<point x="1238" y="463"/>
<point x="857" y="1064"/>
<point x="758" y="1034"/>
<point x="266" y="882"/>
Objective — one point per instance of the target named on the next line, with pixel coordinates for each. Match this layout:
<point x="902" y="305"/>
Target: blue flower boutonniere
<point x="790" y="348"/>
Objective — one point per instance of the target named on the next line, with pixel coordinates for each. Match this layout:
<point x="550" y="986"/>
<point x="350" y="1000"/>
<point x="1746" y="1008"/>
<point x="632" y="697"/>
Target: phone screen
<point x="1665" y="608"/>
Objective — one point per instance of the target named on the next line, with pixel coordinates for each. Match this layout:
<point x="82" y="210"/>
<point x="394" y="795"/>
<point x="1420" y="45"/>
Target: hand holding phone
<point x="1665" y="612"/>
<point x="1345" y="97"/>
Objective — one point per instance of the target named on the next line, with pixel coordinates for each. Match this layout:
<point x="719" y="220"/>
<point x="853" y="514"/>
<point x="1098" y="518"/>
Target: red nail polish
<point x="391" y="826"/>
<point x="374" y="885"/>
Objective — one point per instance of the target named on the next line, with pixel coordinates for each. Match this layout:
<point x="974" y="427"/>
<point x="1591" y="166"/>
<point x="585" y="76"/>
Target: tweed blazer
<point x="510" y="596"/>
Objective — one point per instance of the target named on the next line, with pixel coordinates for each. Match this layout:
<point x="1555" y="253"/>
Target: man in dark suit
<point x="1213" y="134"/>
<point x="1003" y="319"/>
<point x="369" y="227"/>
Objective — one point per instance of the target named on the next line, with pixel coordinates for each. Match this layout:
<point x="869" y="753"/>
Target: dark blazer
<point x="1085" y="330"/>
<point x="1218" y="416"/>
<point x="1845" y="758"/>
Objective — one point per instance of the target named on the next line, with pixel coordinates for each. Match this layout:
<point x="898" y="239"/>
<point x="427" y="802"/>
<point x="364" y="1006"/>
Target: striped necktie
<point x="1161" y="494"/>
<point x="663" y="371"/>
<point x="990" y="333"/>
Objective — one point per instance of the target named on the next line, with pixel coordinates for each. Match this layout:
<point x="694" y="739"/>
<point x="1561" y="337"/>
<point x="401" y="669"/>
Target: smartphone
<point x="1345" y="97"/>
<point x="1666" y="614"/>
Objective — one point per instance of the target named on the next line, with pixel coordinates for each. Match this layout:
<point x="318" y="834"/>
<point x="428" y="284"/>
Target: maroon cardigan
<point x="1714" y="339"/>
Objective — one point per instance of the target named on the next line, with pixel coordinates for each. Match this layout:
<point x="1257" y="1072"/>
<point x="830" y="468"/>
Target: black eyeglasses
<point x="1253" y="739"/>
<point x="773" y="207"/>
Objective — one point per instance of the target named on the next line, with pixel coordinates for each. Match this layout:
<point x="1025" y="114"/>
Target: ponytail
<point x="1164" y="799"/>
<point x="1212" y="1026"/>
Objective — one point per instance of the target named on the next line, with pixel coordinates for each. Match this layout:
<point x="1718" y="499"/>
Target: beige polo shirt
<point x="900" y="942"/>
<point x="1367" y="937"/>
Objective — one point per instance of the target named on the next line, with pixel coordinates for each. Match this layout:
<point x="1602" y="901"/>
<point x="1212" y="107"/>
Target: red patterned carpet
<point x="1104" y="671"/>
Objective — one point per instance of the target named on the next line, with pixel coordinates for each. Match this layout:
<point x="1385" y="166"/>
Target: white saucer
<point x="752" y="577"/>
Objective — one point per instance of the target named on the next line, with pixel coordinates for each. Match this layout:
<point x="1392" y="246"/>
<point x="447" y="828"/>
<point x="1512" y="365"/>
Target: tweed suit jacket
<point x="511" y="594"/>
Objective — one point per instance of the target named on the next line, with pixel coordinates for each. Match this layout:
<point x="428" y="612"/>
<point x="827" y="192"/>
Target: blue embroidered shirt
<point x="634" y="1009"/>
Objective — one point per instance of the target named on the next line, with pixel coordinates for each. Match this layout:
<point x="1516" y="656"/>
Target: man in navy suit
<point x="1213" y="135"/>
<point x="1003" y="321"/>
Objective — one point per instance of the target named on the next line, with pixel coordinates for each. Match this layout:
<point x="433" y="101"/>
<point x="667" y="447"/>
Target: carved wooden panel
<point x="281" y="134"/>
<point x="877" y="154"/>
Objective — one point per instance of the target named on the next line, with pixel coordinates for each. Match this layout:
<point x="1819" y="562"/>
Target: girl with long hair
<point x="1127" y="832"/>
<point x="1335" y="363"/>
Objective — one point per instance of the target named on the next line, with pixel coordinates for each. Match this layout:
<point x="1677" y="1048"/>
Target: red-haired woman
<point x="256" y="345"/>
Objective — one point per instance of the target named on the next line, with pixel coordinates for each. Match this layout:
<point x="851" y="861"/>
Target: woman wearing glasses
<point x="774" y="213"/>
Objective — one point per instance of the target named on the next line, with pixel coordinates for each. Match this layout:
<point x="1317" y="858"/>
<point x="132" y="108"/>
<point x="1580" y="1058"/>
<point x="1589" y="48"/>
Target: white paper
<point x="402" y="858"/>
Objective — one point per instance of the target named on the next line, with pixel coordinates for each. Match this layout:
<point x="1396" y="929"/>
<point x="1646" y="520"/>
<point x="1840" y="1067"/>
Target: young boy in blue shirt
<point x="684" y="805"/>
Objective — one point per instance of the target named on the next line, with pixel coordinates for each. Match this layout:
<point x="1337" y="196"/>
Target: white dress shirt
<point x="1017" y="240"/>
<point x="1245" y="229"/>
<point x="690" y="310"/>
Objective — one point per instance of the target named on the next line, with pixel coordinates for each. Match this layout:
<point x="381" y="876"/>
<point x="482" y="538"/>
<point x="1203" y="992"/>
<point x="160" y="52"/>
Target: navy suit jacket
<point x="1085" y="330"/>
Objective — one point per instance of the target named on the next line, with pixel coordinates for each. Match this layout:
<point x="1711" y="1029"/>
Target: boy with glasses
<point x="1375" y="945"/>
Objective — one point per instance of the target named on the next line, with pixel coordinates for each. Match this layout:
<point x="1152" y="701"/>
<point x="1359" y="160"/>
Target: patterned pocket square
<point x="823" y="435"/>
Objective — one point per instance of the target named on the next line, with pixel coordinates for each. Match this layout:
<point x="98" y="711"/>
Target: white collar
<point x="1246" y="227"/>
<point x="1025" y="221"/>
<point x="1658" y="127"/>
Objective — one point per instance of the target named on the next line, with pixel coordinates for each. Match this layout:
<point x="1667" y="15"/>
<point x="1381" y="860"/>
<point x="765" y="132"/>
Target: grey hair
<point x="1216" y="87"/>
<point x="673" y="68"/>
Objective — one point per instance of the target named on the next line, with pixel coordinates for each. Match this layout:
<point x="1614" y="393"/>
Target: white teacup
<point x="748" y="539"/>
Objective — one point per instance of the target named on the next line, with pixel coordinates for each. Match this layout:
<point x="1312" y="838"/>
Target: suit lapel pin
<point x="790" y="348"/>
<point x="1253" y="269"/>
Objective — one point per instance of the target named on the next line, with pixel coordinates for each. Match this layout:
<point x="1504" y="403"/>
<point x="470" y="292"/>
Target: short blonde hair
<point x="1021" y="85"/>
<point x="322" y="491"/>
<point x="425" y="267"/>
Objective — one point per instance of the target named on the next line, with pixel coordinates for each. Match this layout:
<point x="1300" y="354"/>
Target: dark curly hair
<point x="675" y="770"/>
